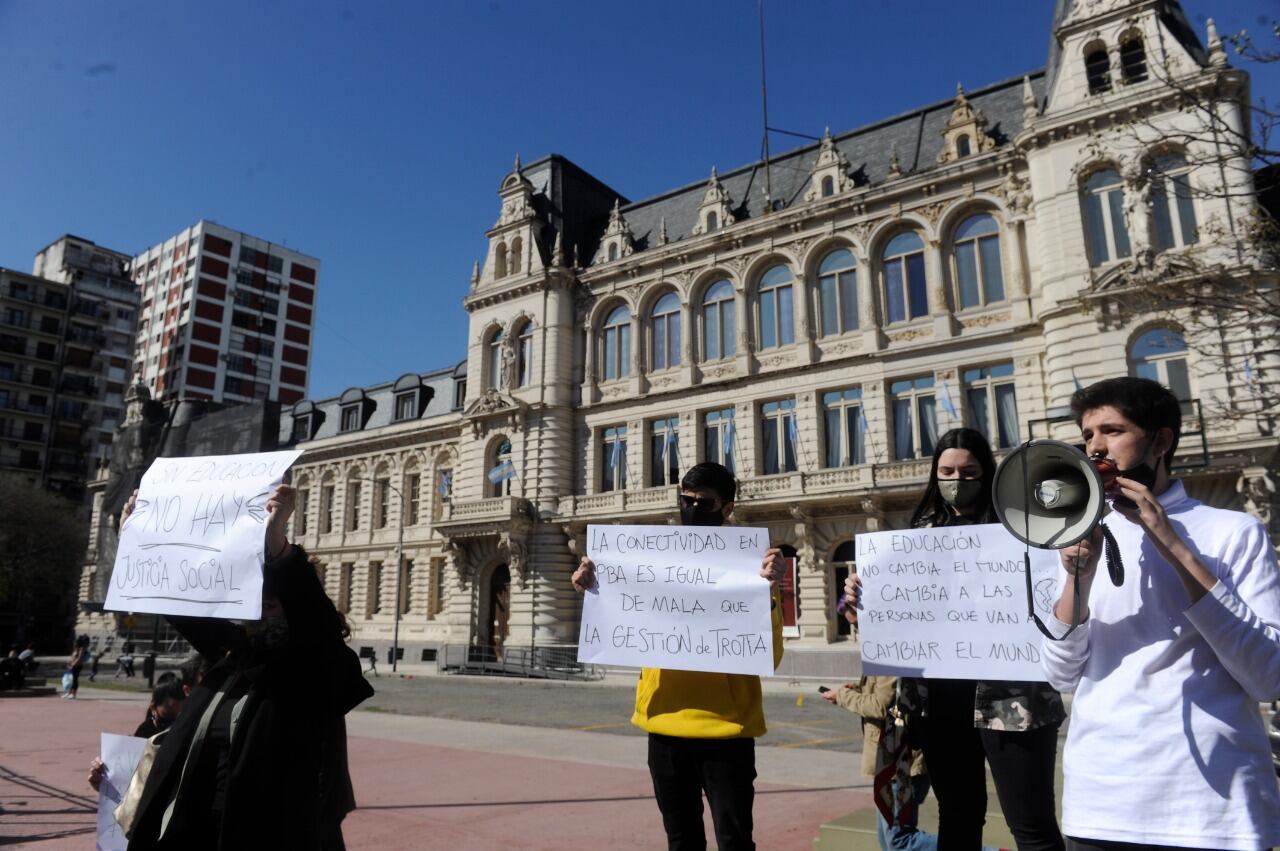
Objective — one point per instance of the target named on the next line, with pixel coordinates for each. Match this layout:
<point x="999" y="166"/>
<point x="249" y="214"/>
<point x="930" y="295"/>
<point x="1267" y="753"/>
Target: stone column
<point x="868" y="320"/>
<point x="937" y="288"/>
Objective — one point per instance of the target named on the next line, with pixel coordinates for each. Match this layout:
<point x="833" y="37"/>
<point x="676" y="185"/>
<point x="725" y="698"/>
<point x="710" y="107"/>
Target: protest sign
<point x="194" y="543"/>
<point x="683" y="597"/>
<point x="952" y="602"/>
<point x="120" y="755"/>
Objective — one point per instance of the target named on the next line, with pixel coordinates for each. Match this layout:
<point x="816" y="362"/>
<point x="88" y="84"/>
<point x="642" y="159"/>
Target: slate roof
<point x="440" y="382"/>
<point x="917" y="136"/>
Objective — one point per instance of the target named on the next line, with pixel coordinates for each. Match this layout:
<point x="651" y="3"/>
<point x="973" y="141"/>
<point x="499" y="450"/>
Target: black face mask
<point x="696" y="515"/>
<point x="1144" y="474"/>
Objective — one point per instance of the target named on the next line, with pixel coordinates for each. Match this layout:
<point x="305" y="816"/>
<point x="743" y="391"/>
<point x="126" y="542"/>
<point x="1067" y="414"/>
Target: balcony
<point x="648" y="500"/>
<point x="483" y="516"/>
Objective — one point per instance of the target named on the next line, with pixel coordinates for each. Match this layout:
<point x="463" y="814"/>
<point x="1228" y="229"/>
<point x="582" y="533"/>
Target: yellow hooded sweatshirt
<point x="701" y="705"/>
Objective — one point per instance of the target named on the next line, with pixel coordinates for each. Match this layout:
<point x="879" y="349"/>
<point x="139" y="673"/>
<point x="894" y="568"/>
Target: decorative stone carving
<point x="517" y="197"/>
<point x="832" y="165"/>
<point x="985" y="320"/>
<point x="965" y="123"/>
<point x="932" y="212"/>
<point x="1016" y="192"/>
<point x="617" y="241"/>
<point x="895" y="167"/>
<point x="909" y="334"/>
<point x="1084" y="9"/>
<point x="714" y="201"/>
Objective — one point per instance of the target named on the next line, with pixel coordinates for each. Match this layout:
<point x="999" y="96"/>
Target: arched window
<point x="718" y="336"/>
<point x="1133" y="58"/>
<point x="615" y="344"/>
<point x="1106" y="233"/>
<point x="494" y="355"/>
<point x="664" y="342"/>
<point x="524" y="354"/>
<point x="979" y="277"/>
<point x="500" y="260"/>
<point x="1161" y="355"/>
<point x="838" y="292"/>
<point x="906" y="289"/>
<point x="713" y="221"/>
<point x="963" y="146"/>
<point x="500" y="472"/>
<point x="777" y="318"/>
<point x="517" y="251"/>
<point x="613" y="251"/>
<point x="828" y="187"/>
<point x="1172" y="209"/>
<point x="1097" y="68"/>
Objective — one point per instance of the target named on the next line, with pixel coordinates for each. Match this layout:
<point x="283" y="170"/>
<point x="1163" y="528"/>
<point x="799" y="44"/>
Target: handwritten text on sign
<point x="952" y="603"/>
<point x="194" y="543"/>
<point x="120" y="755"/>
<point x="683" y="597"/>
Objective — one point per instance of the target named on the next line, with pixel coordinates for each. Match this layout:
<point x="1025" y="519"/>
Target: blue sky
<point x="374" y="134"/>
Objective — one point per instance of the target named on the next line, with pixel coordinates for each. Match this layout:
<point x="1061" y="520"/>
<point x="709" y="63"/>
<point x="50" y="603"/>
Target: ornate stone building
<point x="963" y="263"/>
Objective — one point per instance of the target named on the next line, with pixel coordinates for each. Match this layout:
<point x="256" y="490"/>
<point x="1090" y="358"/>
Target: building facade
<point x="224" y="316"/>
<point x="970" y="262"/>
<point x="103" y="319"/>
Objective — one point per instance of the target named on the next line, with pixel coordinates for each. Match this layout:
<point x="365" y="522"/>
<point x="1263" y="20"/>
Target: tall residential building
<point x="967" y="262"/>
<point x="102" y="320"/>
<point x="225" y="316"/>
<point x="43" y="400"/>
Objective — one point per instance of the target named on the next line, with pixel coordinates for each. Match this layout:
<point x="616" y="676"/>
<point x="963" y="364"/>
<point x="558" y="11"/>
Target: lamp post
<point x="395" y="633"/>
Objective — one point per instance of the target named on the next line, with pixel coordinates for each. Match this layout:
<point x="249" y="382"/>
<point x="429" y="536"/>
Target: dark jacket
<point x="287" y="784"/>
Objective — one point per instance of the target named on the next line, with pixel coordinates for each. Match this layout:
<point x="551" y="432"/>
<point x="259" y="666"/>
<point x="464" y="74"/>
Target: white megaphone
<point x="1049" y="495"/>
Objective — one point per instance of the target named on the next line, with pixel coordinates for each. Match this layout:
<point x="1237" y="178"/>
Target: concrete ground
<point x="462" y="763"/>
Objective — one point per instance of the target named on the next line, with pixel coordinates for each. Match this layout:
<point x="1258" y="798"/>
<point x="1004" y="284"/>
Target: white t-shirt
<point x="1166" y="744"/>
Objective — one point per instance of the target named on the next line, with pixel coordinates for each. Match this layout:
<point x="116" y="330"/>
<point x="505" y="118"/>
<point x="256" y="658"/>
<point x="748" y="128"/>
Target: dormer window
<point x="613" y="251"/>
<point x="1097" y="68"/>
<point x="828" y="187"/>
<point x="1133" y="58"/>
<point x="406" y="406"/>
<point x="713" y="222"/>
<point x="500" y="260"/>
<point x="301" y="428"/>
<point x="963" y="147"/>
<point x="351" y="418"/>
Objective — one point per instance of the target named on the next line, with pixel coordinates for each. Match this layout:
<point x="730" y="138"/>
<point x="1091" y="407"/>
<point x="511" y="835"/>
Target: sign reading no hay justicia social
<point x="194" y="542"/>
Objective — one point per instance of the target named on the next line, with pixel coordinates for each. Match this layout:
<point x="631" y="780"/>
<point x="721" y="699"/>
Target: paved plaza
<point x="492" y="764"/>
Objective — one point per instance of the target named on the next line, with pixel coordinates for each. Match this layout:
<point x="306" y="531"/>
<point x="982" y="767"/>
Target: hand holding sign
<point x="686" y="598"/>
<point x="192" y="538"/>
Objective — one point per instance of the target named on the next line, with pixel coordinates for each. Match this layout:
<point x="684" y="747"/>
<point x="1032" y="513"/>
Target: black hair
<point x="711" y="475"/>
<point x="932" y="510"/>
<point x="192" y="670"/>
<point x="1147" y="404"/>
<point x="172" y="690"/>
<point x="166" y="677"/>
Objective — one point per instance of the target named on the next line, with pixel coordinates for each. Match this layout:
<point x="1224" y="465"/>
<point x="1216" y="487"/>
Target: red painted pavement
<point x="411" y="796"/>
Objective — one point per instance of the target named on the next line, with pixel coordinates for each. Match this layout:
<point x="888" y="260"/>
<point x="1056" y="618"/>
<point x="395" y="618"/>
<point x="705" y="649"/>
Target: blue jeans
<point x="907" y="837"/>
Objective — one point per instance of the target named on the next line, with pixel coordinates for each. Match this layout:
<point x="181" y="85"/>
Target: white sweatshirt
<point x="1166" y="745"/>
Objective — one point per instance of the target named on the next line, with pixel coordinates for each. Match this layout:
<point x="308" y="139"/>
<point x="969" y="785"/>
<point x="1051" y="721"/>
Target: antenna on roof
<point x="764" y="103"/>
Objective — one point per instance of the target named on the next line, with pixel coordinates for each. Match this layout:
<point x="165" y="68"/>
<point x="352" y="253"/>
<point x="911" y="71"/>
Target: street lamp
<point x="395" y="634"/>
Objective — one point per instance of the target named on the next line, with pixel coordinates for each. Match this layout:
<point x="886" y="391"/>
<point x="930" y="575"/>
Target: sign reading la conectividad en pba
<point x="683" y="597"/>
<point x="952" y="603"/>
<point x="194" y="542"/>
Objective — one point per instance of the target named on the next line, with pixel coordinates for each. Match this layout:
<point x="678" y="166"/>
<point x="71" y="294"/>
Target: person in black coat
<point x="258" y="756"/>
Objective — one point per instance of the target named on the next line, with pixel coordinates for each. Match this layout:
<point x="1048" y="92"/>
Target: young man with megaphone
<point x="1166" y="745"/>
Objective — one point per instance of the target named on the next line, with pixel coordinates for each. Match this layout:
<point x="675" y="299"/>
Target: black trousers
<point x="683" y="769"/>
<point x="1021" y="767"/>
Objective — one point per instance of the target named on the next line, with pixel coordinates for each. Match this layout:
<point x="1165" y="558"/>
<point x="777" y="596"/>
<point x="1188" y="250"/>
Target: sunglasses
<point x="704" y="502"/>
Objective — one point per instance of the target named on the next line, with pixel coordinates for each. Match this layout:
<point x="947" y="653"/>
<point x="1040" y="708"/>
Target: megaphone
<point x="1049" y="495"/>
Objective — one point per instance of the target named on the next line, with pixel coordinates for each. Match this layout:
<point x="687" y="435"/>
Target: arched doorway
<point x="841" y="566"/>
<point x="495" y="618"/>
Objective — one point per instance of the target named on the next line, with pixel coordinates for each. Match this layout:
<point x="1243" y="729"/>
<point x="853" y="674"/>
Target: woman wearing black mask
<point x="1013" y="726"/>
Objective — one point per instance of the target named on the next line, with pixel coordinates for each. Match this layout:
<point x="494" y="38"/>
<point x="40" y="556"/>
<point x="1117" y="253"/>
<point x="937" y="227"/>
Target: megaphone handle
<point x="1115" y="565"/>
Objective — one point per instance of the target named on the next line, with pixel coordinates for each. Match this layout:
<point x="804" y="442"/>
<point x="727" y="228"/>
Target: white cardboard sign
<point x="194" y="543"/>
<point x="120" y="754"/>
<point x="684" y="597"/>
<point x="952" y="603"/>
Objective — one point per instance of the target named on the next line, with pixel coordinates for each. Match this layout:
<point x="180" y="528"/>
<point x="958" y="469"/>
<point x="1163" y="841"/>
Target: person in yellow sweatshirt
<point x="703" y="726"/>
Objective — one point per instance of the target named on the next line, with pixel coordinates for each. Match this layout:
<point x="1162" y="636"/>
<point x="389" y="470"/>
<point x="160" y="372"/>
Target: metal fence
<point x="551" y="663"/>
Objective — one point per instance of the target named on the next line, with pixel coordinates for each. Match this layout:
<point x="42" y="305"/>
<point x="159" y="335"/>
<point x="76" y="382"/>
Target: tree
<point x="42" y="543"/>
